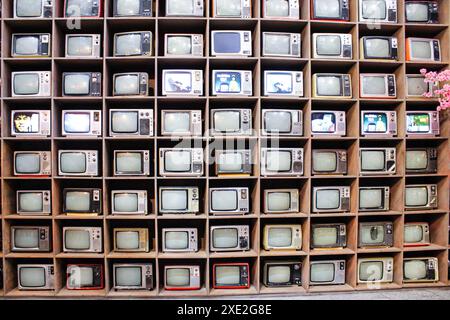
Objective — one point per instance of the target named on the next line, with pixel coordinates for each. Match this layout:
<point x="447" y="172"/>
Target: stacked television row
<point x="183" y="148"/>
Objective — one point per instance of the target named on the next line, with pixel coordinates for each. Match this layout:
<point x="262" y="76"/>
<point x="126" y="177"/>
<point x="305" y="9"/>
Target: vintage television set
<point x="229" y="238"/>
<point x="282" y="273"/>
<point x="232" y="9"/>
<point x="331" y="199"/>
<point x="23" y="9"/>
<point x="421" y="269"/>
<point x="231" y="43"/>
<point x="416" y="234"/>
<point x="329" y="161"/>
<point x="78" y="163"/>
<point x="132" y="8"/>
<point x="376" y="123"/>
<point x="422" y="12"/>
<point x="233" y="162"/>
<point x="83" y="8"/>
<point x="81" y="123"/>
<point x="179" y="200"/>
<point x="335" y="10"/>
<point x="33" y="202"/>
<point x="32" y="163"/>
<point x="384" y="11"/>
<point x="181" y="8"/>
<point x="180" y="240"/>
<point x="84" y="277"/>
<point x="328" y="123"/>
<point x="182" y="82"/>
<point x="332" y="86"/>
<point x="281" y="9"/>
<point x="422" y="123"/>
<point x="82" y="239"/>
<point x="182" y="277"/>
<point x="423" y="49"/>
<point x="328" y="236"/>
<point x="374" y="198"/>
<point x="416" y="86"/>
<point x="327" y="272"/>
<point x="35" y="277"/>
<point x="130" y="122"/>
<point x="281" y="201"/>
<point x="135" y="43"/>
<point x="379" y="47"/>
<point x="83" y="46"/>
<point x="30" y="123"/>
<point x="181" y="162"/>
<point x="31" y="84"/>
<point x="129" y="202"/>
<point x="82" y="201"/>
<point x="231" y="275"/>
<point x="183" y="45"/>
<point x="375" y="270"/>
<point x="282" y="161"/>
<point x="375" y="234"/>
<point x="421" y="196"/>
<point x="283" y="83"/>
<point x="282" y="237"/>
<point x="282" y="122"/>
<point x="30" y="238"/>
<point x="229" y="201"/>
<point x="131" y="240"/>
<point x="281" y="44"/>
<point x="377" y="86"/>
<point x="130" y="84"/>
<point x="181" y="122"/>
<point x="132" y="276"/>
<point x="332" y="46"/>
<point x="131" y="162"/>
<point x="31" y="45"/>
<point x="232" y="82"/>
<point x="376" y="161"/>
<point x="236" y="122"/>
<point x="421" y="160"/>
<point x="81" y="84"/>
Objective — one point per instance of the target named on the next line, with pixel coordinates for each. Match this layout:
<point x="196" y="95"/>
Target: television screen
<point x="277" y="8"/>
<point x="174" y="200"/>
<point x="28" y="8"/>
<point x="180" y="7"/>
<point x="178" y="277"/>
<point x="224" y="200"/>
<point x="227" y="121"/>
<point x="415" y="269"/>
<point x="127" y="240"/>
<point x="128" y="276"/>
<point x="322" y="272"/>
<point x="279" y="274"/>
<point x="32" y="277"/>
<point x="373" y="160"/>
<point x="374" y="9"/>
<point x="416" y="159"/>
<point x="228" y="8"/>
<point x="329" y="86"/>
<point x="278" y="121"/>
<point x="413" y="233"/>
<point x="177" y="122"/>
<point x="125" y="202"/>
<point x="278" y="201"/>
<point x="416" y="196"/>
<point x="128" y="44"/>
<point x="371" y="271"/>
<point x="280" y="237"/>
<point x="79" y="46"/>
<point x="227" y="275"/>
<point x="227" y="42"/>
<point x="129" y="162"/>
<point x="330" y="9"/>
<point x="416" y="86"/>
<point x="85" y="277"/>
<point x="77" y="239"/>
<point x="277" y="43"/>
<point x="374" y="85"/>
<point x="26" y="83"/>
<point x="77" y="84"/>
<point x="178" y="82"/>
<point x="370" y="198"/>
<point x="416" y="12"/>
<point x="83" y="8"/>
<point x="279" y="82"/>
<point x="230" y="161"/>
<point x="31" y="202"/>
<point x="325" y="161"/>
<point x="177" y="239"/>
<point x="228" y="82"/>
<point x="225" y="238"/>
<point x="421" y="49"/>
<point x="323" y="122"/>
<point x="179" y="45"/>
<point x="328" y="45"/>
<point x="377" y="47"/>
<point x="27" y="45"/>
<point x="418" y="122"/>
<point x="26" y="122"/>
<point x="126" y="84"/>
<point x="26" y="238"/>
<point x="372" y="234"/>
<point x="128" y="7"/>
<point x="327" y="199"/>
<point x="77" y="201"/>
<point x="325" y="236"/>
<point x="375" y="122"/>
<point x="27" y="163"/>
<point x="72" y="162"/>
<point x="177" y="161"/>
<point x="124" y="121"/>
<point x="278" y="161"/>
<point x="77" y="122"/>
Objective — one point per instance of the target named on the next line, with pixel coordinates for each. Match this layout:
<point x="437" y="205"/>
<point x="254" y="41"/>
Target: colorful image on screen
<point x="26" y="122"/>
<point x="375" y="122"/>
<point x="323" y="122"/>
<point x="228" y="82"/>
<point x="418" y="122"/>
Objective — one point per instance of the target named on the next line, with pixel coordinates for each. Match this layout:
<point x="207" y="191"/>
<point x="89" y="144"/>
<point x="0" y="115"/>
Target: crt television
<point x="281" y="201"/>
<point x="81" y="84"/>
<point x="181" y="122"/>
<point x="81" y="123"/>
<point x="132" y="276"/>
<point x="180" y="239"/>
<point x="184" y="82"/>
<point x="335" y="10"/>
<point x="182" y="277"/>
<point x="328" y="236"/>
<point x="233" y="162"/>
<point x="379" y="47"/>
<point x="327" y="272"/>
<point x="332" y="86"/>
<point x="375" y="270"/>
<point x="84" y="277"/>
<point x="229" y="201"/>
<point x="182" y="8"/>
<point x="422" y="123"/>
<point x="179" y="200"/>
<point x="384" y="11"/>
<point x="421" y="160"/>
<point x="31" y="45"/>
<point x="327" y="122"/>
<point x="331" y="199"/>
<point x="229" y="238"/>
<point x="375" y="234"/>
<point x="35" y="9"/>
<point x="132" y="8"/>
<point x="131" y="163"/>
<point x="83" y="8"/>
<point x="78" y="163"/>
<point x="131" y="122"/>
<point x="131" y="240"/>
<point x="181" y="162"/>
<point x="374" y="198"/>
<point x="420" y="269"/>
<point x="421" y="196"/>
<point x="377" y="86"/>
<point x="332" y="46"/>
<point x="83" y="46"/>
<point x="30" y="238"/>
<point x="136" y="43"/>
<point x="281" y="9"/>
<point x="129" y="202"/>
<point x="82" y="201"/>
<point x="30" y="123"/>
<point x="282" y="273"/>
<point x="283" y="83"/>
<point x="231" y="275"/>
<point x="378" y="123"/>
<point x="281" y="44"/>
<point x="416" y="234"/>
<point x="283" y="122"/>
<point x="33" y="202"/>
<point x="423" y="49"/>
<point x="32" y="163"/>
<point x="130" y="84"/>
<point x="282" y="161"/>
<point x="329" y="161"/>
<point x="35" y="277"/>
<point x="31" y="83"/>
<point x="82" y="239"/>
<point x="231" y="43"/>
<point x="377" y="161"/>
<point x="232" y="82"/>
<point x="282" y="237"/>
<point x="183" y="44"/>
<point x="233" y="122"/>
<point x="422" y="12"/>
<point x="232" y="9"/>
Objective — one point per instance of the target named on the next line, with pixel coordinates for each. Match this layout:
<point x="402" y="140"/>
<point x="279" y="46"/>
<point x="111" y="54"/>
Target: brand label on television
<point x="30" y="123"/>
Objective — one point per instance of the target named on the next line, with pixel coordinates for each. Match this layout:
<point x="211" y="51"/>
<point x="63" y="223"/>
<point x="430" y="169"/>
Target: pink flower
<point x="440" y="81"/>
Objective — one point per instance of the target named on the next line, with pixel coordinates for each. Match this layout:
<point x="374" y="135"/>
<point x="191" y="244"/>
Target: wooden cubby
<point x="159" y="25"/>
